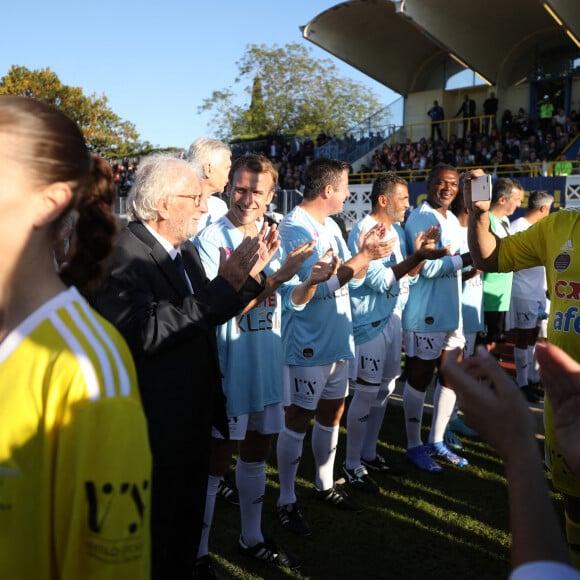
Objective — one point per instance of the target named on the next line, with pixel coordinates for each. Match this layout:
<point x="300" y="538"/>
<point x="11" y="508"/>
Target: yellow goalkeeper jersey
<point x="74" y="455"/>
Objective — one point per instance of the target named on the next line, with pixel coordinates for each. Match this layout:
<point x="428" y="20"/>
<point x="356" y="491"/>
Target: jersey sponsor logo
<point x="567" y="289"/>
<point x="562" y="261"/>
<point x="567" y="247"/>
<point x="308" y="353"/>
<point x="566" y="321"/>
<point x="257" y="320"/>
<point x="115" y="518"/>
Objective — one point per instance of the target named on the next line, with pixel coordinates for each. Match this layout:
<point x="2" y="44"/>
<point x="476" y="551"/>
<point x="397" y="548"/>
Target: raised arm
<point x="483" y="243"/>
<point x="495" y="407"/>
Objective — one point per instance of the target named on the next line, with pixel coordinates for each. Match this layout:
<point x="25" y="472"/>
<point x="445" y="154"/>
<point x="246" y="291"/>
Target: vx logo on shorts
<point x="300" y="384"/>
<point x="367" y="361"/>
<point x="423" y="342"/>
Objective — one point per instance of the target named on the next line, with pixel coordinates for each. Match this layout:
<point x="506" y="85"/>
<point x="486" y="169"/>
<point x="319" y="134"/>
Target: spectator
<point x="490" y="106"/>
<point x="467" y="110"/>
<point x="76" y="465"/>
<point x="563" y="166"/>
<point x="436" y="114"/>
<point x="546" y="114"/>
<point x="158" y="296"/>
<point x="211" y="160"/>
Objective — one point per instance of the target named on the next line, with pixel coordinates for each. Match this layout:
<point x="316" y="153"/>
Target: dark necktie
<point x="178" y="261"/>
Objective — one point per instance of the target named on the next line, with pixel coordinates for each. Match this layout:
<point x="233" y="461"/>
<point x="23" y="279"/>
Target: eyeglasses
<point x="196" y="198"/>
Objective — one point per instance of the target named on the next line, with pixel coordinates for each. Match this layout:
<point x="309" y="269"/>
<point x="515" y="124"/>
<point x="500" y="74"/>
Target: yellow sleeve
<point x="102" y="491"/>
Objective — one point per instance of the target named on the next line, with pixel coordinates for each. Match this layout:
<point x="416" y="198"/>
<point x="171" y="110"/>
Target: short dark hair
<point x="385" y="184"/>
<point x="503" y="188"/>
<point x="255" y="164"/>
<point x="320" y="173"/>
<point x="434" y="173"/>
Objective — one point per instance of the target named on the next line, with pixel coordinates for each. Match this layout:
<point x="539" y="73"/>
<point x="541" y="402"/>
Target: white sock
<point x="213" y="482"/>
<point x="324" y="441"/>
<point x="413" y="402"/>
<point x="356" y="424"/>
<point x="289" y="453"/>
<point x="533" y="366"/>
<point x="251" y="483"/>
<point x="443" y="404"/>
<point x="375" y="422"/>
<point x="522" y="366"/>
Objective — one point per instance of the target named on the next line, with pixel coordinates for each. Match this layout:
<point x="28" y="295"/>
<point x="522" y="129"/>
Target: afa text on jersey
<point x="569" y="319"/>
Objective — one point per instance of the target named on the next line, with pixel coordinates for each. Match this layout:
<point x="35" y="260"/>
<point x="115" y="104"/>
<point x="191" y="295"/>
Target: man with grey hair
<point x="528" y="302"/>
<point x="158" y="295"/>
<point x="211" y="160"/>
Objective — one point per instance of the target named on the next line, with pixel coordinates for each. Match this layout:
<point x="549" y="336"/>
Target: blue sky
<point x="155" y="61"/>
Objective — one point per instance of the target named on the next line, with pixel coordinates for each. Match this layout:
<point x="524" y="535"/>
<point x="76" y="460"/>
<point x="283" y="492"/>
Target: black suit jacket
<point x="171" y="334"/>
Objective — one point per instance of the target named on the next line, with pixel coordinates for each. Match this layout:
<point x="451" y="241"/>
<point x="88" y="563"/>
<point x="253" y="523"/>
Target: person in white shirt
<point x="212" y="160"/>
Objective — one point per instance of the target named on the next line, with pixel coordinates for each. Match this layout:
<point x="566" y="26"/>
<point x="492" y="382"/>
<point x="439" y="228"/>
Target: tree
<point x="104" y="131"/>
<point x="291" y="93"/>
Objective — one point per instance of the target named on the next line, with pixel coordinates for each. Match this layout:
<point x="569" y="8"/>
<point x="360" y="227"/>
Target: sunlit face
<point x="185" y="208"/>
<point x="340" y="193"/>
<point x="514" y="201"/>
<point x="443" y="189"/>
<point x="218" y="172"/>
<point x="250" y="195"/>
<point x="17" y="211"/>
<point x="398" y="203"/>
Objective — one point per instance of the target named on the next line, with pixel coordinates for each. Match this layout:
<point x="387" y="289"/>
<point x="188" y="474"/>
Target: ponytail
<point x="95" y="229"/>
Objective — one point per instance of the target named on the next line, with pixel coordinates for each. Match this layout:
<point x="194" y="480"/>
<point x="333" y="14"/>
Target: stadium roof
<point x="417" y="45"/>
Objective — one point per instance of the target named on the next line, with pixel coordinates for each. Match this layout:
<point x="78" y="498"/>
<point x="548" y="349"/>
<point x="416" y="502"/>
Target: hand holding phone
<point x="481" y="188"/>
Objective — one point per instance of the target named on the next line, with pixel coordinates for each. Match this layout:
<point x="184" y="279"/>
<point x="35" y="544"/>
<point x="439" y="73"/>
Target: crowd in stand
<point x="113" y="385"/>
<point x="515" y="140"/>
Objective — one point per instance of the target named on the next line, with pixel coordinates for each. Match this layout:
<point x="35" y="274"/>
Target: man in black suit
<point x="168" y="314"/>
<point x="467" y="110"/>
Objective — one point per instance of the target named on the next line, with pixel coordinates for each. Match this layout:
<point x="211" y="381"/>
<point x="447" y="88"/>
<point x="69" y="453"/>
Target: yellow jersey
<point x="75" y="462"/>
<point x="553" y="242"/>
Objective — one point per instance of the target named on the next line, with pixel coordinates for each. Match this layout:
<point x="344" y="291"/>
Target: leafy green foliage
<point x="104" y="131"/>
<point x="288" y="92"/>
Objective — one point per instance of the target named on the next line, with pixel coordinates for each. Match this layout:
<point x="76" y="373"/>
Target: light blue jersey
<point x="321" y="333"/>
<point x="434" y="300"/>
<point x="249" y="345"/>
<point x="374" y="301"/>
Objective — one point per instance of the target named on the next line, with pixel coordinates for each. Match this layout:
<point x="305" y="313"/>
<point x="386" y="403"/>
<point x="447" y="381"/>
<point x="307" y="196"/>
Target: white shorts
<point x="430" y="345"/>
<point x="305" y="386"/>
<point x="523" y="313"/>
<point x="270" y="421"/>
<point x="379" y="359"/>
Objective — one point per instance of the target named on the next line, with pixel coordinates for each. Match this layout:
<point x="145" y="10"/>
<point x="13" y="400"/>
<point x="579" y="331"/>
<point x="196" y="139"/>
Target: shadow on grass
<point x="437" y="526"/>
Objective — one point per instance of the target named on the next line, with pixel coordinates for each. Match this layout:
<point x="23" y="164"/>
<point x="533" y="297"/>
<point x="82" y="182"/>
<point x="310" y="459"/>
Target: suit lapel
<point x="193" y="266"/>
<point x="161" y="258"/>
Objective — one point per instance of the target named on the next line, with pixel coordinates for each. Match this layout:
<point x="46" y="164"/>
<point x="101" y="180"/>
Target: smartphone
<point x="481" y="188"/>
